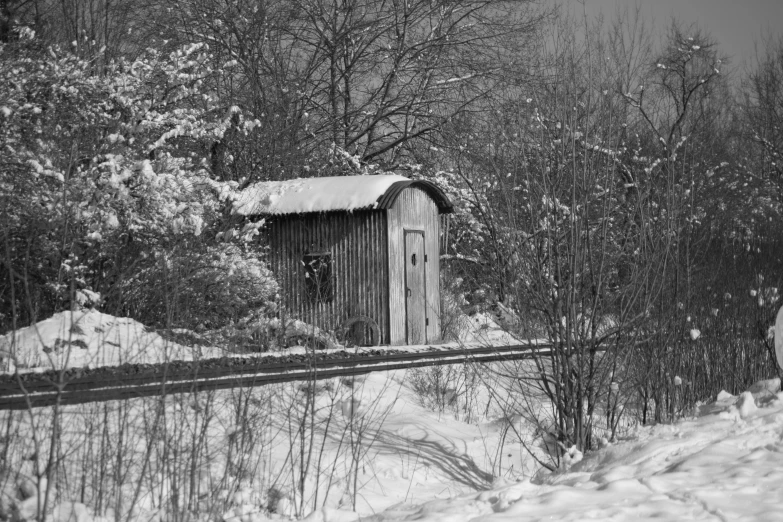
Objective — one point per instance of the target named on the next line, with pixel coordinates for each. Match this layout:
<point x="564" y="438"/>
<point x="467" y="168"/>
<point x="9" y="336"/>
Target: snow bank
<point x="89" y="338"/>
<point x="726" y="465"/>
<point x="299" y="196"/>
<point x="483" y="327"/>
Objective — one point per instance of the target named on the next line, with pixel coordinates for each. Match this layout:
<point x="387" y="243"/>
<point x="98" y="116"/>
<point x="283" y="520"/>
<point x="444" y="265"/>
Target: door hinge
<point x="427" y="321"/>
<point x="425" y="258"/>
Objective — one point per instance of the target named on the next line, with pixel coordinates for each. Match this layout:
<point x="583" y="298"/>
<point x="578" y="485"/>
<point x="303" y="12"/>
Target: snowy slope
<point x="726" y="465"/>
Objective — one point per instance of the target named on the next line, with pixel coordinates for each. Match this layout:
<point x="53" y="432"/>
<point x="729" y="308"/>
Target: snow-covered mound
<point x="483" y="327"/>
<point x="88" y="338"/>
<point x="725" y="465"/>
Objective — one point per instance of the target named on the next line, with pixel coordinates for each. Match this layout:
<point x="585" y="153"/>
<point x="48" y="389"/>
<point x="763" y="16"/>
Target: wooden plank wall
<point x="413" y="210"/>
<point x="358" y="243"/>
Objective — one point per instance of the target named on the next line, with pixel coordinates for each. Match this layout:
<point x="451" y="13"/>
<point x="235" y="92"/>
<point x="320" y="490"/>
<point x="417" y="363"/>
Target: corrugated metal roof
<point x="329" y="194"/>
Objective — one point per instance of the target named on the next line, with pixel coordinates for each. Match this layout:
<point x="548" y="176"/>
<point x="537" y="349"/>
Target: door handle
<point x="413" y="259"/>
<point x="408" y="292"/>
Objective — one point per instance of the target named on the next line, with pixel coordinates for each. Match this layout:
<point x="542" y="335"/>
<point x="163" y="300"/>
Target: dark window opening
<point x="318" y="276"/>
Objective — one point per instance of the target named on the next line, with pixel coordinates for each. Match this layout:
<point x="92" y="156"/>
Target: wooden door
<point x="415" y="288"/>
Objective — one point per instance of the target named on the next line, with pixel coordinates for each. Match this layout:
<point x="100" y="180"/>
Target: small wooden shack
<point x="351" y="247"/>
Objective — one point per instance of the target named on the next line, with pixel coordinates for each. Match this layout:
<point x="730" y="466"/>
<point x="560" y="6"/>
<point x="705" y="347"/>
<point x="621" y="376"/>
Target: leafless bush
<point x="188" y="456"/>
<point x="452" y="389"/>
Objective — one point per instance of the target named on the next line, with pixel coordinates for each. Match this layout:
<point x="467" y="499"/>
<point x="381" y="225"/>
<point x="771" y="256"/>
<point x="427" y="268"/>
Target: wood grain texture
<point x="413" y="210"/>
<point x="415" y="288"/>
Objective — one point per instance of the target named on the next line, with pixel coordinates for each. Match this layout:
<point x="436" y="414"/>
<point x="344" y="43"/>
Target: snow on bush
<point x="104" y="181"/>
<point x="201" y="286"/>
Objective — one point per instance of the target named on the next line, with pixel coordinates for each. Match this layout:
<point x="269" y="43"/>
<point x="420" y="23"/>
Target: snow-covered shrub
<point x="105" y="187"/>
<point x="194" y="286"/>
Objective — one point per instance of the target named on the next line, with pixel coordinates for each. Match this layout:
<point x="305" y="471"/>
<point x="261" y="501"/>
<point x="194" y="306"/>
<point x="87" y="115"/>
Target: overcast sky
<point x="733" y="24"/>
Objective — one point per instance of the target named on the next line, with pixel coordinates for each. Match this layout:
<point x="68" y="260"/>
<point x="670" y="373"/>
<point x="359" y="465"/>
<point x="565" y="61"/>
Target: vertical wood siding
<point x="413" y="210"/>
<point x="358" y="243"/>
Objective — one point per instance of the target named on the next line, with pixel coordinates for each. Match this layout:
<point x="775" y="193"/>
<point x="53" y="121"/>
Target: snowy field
<point x="390" y="446"/>
<point x="414" y="464"/>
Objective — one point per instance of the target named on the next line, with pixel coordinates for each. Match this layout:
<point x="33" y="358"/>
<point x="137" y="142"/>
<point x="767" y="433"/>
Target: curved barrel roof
<point x="329" y="194"/>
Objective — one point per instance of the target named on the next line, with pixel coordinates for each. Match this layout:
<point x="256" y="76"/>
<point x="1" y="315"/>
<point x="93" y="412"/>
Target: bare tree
<point x="763" y="112"/>
<point x="584" y="206"/>
<point x="367" y="76"/>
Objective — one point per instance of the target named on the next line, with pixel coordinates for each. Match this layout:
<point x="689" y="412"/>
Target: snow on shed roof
<point x="337" y="193"/>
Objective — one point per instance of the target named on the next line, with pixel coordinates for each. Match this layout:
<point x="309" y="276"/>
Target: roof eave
<point x="388" y="198"/>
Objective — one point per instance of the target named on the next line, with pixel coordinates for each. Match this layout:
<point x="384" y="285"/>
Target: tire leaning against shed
<point x="348" y="331"/>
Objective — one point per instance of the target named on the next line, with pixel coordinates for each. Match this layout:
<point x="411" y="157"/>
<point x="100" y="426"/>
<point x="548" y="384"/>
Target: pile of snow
<point x="724" y="465"/>
<point x="298" y="196"/>
<point x="483" y="328"/>
<point x="89" y="338"/>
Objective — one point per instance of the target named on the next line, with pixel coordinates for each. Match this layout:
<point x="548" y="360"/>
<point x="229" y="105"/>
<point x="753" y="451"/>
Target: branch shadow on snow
<point x="430" y="453"/>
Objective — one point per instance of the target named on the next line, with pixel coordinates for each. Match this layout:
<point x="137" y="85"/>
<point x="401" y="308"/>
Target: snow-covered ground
<point x="418" y="465"/>
<point x="726" y="465"/>
<point x="384" y="447"/>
